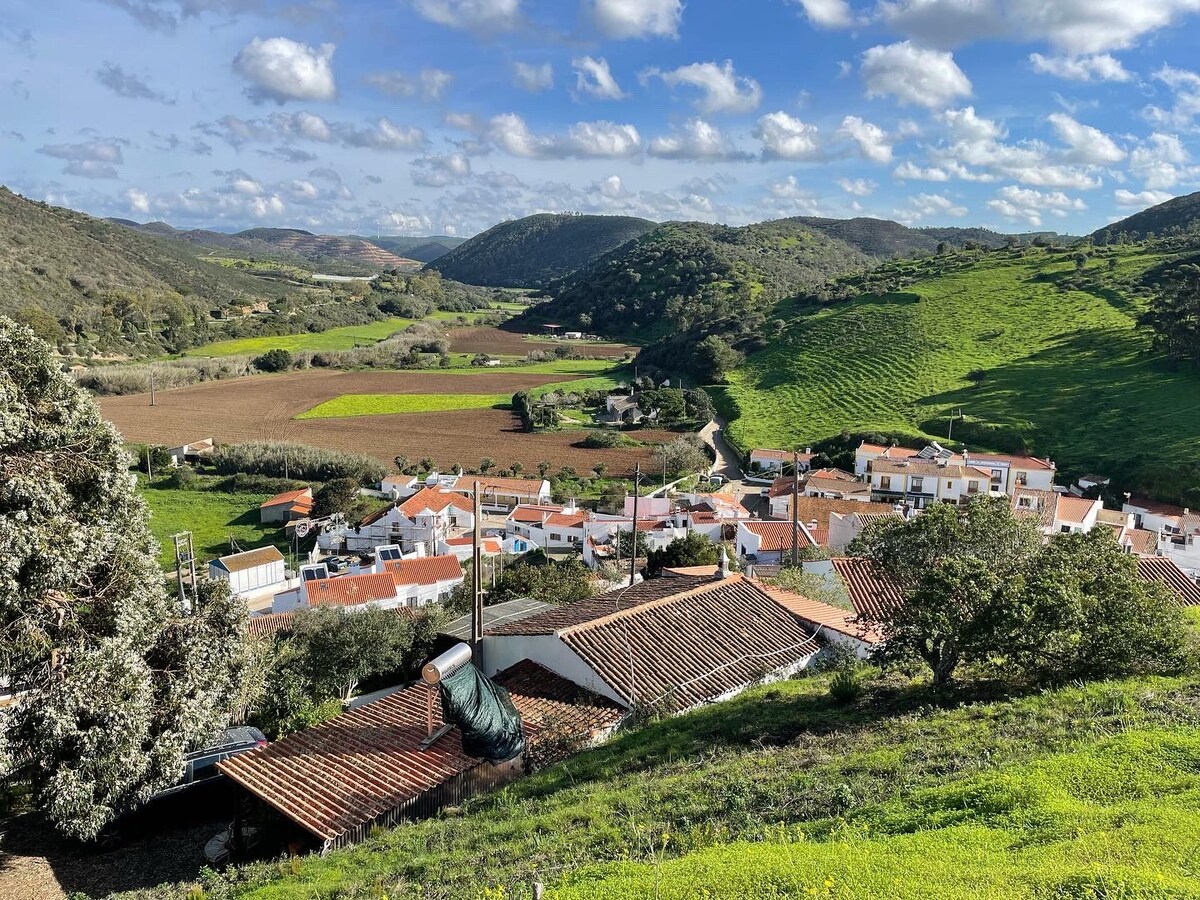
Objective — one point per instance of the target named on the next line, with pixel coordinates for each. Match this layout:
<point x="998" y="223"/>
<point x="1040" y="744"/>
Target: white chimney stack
<point x="724" y="567"/>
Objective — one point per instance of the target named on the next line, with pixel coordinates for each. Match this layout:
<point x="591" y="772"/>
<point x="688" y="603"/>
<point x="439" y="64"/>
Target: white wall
<point x="502" y="651"/>
<point x="252" y="579"/>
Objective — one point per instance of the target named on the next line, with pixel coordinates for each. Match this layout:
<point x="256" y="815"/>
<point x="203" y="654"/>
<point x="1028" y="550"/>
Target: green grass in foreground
<point x="211" y="517"/>
<point x="390" y="404"/>
<point x="344" y="338"/>
<point x="1066" y="370"/>
<point x="1082" y="792"/>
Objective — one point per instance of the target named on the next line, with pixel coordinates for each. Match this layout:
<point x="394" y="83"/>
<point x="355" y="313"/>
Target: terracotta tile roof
<point x="870" y="592"/>
<point x="367" y="762"/>
<point x="489" y="545"/>
<point x="582" y="611"/>
<point x="821" y="614"/>
<point x="892" y="452"/>
<point x="424" y="570"/>
<point x="927" y="469"/>
<point x="1041" y="505"/>
<point x="433" y="500"/>
<point x="350" y="590"/>
<point x="1167" y="573"/>
<point x="776" y="536"/>
<point x="1155" y="507"/>
<point x="819" y="535"/>
<point x="832" y="474"/>
<point x="781" y="455"/>
<point x="1189" y="523"/>
<point x="249" y="559"/>
<point x="693" y="645"/>
<point x="566" y="520"/>
<point x="1074" y="510"/>
<point x="551" y="702"/>
<point x="527" y="512"/>
<point x="691" y="571"/>
<point x="1141" y="541"/>
<point x="289" y="497"/>
<point x="818" y="509"/>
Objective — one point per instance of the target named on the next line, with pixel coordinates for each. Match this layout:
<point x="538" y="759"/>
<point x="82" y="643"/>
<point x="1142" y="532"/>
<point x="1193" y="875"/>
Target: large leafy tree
<point x="694" y="550"/>
<point x="1086" y="614"/>
<point x="1174" y="316"/>
<point x="959" y="570"/>
<point x="116" y="682"/>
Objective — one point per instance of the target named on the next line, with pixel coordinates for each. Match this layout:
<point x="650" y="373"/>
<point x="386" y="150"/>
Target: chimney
<point x="723" y="570"/>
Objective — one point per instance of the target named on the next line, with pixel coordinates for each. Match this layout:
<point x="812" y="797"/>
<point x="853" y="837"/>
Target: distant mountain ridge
<point x="423" y="249"/>
<point x="536" y="250"/>
<point x="332" y="253"/>
<point x="1179" y="213"/>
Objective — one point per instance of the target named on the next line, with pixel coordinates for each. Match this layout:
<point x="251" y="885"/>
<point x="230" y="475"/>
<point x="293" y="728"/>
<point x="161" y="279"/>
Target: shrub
<point x="602" y="439"/>
<point x="279" y="459"/>
<point x="845" y="687"/>
<point x="276" y="360"/>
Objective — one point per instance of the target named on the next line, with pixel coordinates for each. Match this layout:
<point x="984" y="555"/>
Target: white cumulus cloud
<point x="1088" y="145"/>
<point x="913" y="75"/>
<point x="873" y="142"/>
<point x="786" y="137"/>
<point x="859" y="187"/>
<point x="1028" y="205"/>
<point x="533" y="78"/>
<point x="828" y="13"/>
<point x="280" y="69"/>
<point x="624" y="19"/>
<point x="583" y="140"/>
<point x="1099" y="67"/>
<point x="594" y="79"/>
<point x="1141" y="199"/>
<point x="480" y="16"/>
<point x="696" y="139"/>
<point x="722" y="89"/>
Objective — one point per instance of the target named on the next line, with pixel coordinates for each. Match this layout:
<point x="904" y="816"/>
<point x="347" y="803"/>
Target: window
<point x="554" y="536"/>
<point x="918" y="484"/>
<point x="1025" y="502"/>
<point x="885" y="482"/>
<point x="1066" y="529"/>
<point x="997" y="476"/>
<point x="972" y="487"/>
<point x="1022" y="478"/>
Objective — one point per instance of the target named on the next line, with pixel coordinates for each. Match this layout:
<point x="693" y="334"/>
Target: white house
<point x="868" y="453"/>
<point x="769" y="461"/>
<point x="502" y="494"/>
<point x="1011" y="472"/>
<point x="1057" y="513"/>
<point x="286" y="507"/>
<point x="417" y="524"/>
<point x="400" y="487"/>
<point x="319" y="588"/>
<point x="845" y="527"/>
<point x="770" y="542"/>
<point x="251" y="570"/>
<point x="920" y="482"/>
<point x="834" y="484"/>
<point x="193" y="452"/>
<point x="553" y="528"/>
<point x="666" y="643"/>
<point x="424" y="579"/>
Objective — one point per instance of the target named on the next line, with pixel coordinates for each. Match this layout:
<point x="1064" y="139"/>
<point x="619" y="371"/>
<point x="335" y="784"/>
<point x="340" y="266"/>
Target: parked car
<point x="200" y="766"/>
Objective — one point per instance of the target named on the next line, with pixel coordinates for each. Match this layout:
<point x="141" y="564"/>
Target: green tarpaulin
<point x="484" y="713"/>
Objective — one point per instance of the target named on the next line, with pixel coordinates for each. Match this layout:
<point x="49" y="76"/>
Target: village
<point x="576" y="672"/>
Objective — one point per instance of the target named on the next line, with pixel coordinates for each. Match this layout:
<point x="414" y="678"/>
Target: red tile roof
<point x="1155" y="507"/>
<point x="566" y="520"/>
<point x="1167" y="573"/>
<point x="355" y="768"/>
<point x="892" y="452"/>
<point x="776" y="536"/>
<point x="289" y="497"/>
<point x="1141" y="541"/>
<point x="558" y="618"/>
<point x="518" y="487"/>
<point x="350" y="590"/>
<point x="1074" y="509"/>
<point x="823" y="615"/>
<point x="691" y="646"/>
<point x="424" y="569"/>
<point x="870" y="592"/>
<point x="433" y="500"/>
<point x="691" y="571"/>
<point x="489" y="545"/>
<point x="531" y="513"/>
<point x="781" y="455"/>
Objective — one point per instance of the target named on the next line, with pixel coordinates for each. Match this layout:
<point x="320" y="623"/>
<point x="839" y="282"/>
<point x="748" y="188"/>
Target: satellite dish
<point x="302" y="529"/>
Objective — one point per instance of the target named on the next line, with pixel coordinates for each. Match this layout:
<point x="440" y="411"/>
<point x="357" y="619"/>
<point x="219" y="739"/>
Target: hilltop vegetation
<point x="323" y="252"/>
<point x="535" y="250"/>
<point x="1077" y="792"/>
<point x="1182" y="214"/>
<point x="1039" y="349"/>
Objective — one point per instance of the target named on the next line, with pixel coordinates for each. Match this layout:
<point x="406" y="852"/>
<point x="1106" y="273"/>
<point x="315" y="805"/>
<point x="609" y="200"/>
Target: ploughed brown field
<point x="262" y="407"/>
<point x="508" y="343"/>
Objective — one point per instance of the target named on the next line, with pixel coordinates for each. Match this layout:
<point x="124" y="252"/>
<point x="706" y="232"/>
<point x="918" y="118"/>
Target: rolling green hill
<point x="1179" y="214"/>
<point x="1080" y="792"/>
<point x="73" y="275"/>
<point x="321" y="252"/>
<point x="535" y="250"/>
<point x="1036" y="355"/>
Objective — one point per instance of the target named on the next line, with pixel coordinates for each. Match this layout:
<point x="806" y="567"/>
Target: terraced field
<point x="1064" y="370"/>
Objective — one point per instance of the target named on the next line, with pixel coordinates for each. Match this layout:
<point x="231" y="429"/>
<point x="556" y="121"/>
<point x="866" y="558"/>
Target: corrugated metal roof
<point x="368" y="762"/>
<point x="494" y="616"/>
<point x="249" y="559"/>
<point x="1167" y="573"/>
<point x="692" y="646"/>
<point x="870" y="592"/>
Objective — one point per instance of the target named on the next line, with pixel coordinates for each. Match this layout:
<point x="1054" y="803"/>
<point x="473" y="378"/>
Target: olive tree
<point x="116" y="680"/>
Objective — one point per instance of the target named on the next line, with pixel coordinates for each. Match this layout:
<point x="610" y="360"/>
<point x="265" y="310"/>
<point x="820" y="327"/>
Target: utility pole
<point x="149" y="471"/>
<point x="476" y="581"/>
<point x="185" y="554"/>
<point x="633" y="532"/>
<point x="152" y="403"/>
<point x="795" y="508"/>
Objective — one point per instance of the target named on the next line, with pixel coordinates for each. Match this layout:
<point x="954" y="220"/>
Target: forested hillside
<point x="535" y="250"/>
<point x="1030" y="349"/>
<point x="1181" y="214"/>
<point x="322" y="252"/>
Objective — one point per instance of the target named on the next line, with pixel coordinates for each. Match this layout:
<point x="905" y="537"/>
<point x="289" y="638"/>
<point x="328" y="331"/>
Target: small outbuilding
<point x="251" y="570"/>
<point x="286" y="507"/>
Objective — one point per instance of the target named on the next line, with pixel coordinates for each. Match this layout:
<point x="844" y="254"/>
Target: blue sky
<point x="431" y="116"/>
